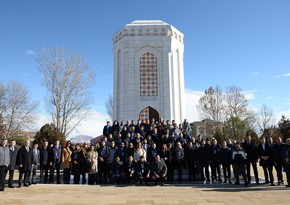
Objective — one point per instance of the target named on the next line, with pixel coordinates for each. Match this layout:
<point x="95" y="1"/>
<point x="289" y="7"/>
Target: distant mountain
<point x="81" y="139"/>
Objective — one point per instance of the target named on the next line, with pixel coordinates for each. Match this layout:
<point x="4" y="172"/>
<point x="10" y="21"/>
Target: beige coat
<point x="66" y="158"/>
<point x="93" y="157"/>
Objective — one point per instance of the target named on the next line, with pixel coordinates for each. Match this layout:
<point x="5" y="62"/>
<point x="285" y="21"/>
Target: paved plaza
<point x="199" y="194"/>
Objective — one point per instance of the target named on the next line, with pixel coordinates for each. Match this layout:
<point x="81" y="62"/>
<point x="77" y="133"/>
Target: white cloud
<point x="192" y="97"/>
<point x="42" y="119"/>
<point x="278" y="115"/>
<point x="191" y="101"/>
<point x="269" y="98"/>
<point x="92" y="126"/>
<point x="250" y="94"/>
<point x="283" y="75"/>
<point x="254" y="74"/>
<point x="30" y="53"/>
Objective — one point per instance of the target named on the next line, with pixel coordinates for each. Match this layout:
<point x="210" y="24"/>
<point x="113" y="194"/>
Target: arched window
<point x="148" y="75"/>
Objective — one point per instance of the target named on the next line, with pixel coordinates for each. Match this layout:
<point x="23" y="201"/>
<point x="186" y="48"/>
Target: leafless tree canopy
<point x="109" y="107"/>
<point x="17" y="108"/>
<point x="210" y="105"/>
<point x="265" y="117"/>
<point x="67" y="80"/>
<point x="236" y="105"/>
<point x="2" y="104"/>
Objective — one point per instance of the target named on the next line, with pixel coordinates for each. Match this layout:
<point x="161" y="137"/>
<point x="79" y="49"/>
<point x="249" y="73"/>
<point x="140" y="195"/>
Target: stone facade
<point x="205" y="128"/>
<point x="148" y="72"/>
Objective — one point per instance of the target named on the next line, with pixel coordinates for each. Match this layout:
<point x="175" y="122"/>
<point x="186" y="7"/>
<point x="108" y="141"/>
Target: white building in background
<point x="148" y="72"/>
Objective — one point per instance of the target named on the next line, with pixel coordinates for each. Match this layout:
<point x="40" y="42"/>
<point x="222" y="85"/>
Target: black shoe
<point x="162" y="184"/>
<point x="26" y="185"/>
<point x="237" y="183"/>
<point x="34" y="182"/>
<point x="287" y="185"/>
<point x="19" y="185"/>
<point x="220" y="180"/>
<point x="1" y="189"/>
<point x="230" y="182"/>
<point x="225" y="181"/>
<point x="11" y="186"/>
<point x="272" y="184"/>
<point x="246" y="184"/>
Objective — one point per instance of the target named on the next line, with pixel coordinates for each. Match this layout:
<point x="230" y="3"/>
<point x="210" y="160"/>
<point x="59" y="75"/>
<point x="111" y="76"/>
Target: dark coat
<point x="203" y="155"/>
<point x="44" y="156"/>
<point x="278" y="148"/>
<point x="107" y="130"/>
<point x="130" y="168"/>
<point x="262" y="153"/>
<point x="225" y="155"/>
<point x="191" y="155"/>
<point x="78" y="161"/>
<point x="142" y="168"/>
<point x="13" y="158"/>
<point x="214" y="153"/>
<point x="151" y="154"/>
<point x="54" y="154"/>
<point x="251" y="150"/>
<point x="25" y="158"/>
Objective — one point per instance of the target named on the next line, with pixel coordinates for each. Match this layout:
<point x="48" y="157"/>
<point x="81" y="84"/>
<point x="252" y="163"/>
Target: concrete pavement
<point x="197" y="194"/>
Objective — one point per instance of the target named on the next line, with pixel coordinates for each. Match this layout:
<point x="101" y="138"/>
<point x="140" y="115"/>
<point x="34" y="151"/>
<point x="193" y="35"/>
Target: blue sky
<point x="227" y="42"/>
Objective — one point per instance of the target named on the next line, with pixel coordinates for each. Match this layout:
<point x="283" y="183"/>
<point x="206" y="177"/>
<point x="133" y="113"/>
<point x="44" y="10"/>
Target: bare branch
<point x="19" y="110"/>
<point x="109" y="107"/>
<point x="67" y="80"/>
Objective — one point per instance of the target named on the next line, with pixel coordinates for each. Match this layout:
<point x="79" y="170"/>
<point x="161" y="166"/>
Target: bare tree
<point x="67" y="80"/>
<point x="210" y="105"/>
<point x="2" y="105"/>
<point x="236" y="102"/>
<point x="264" y="117"/>
<point x="240" y="117"/>
<point x="109" y="107"/>
<point x="19" y="110"/>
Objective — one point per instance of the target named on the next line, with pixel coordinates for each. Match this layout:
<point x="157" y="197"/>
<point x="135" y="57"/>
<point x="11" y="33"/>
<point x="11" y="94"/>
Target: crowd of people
<point x="147" y="151"/>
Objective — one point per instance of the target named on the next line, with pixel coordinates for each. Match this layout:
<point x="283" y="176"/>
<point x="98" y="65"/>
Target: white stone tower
<point x="148" y="72"/>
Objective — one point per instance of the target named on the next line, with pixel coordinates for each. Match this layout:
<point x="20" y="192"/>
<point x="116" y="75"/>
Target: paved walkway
<point x="211" y="194"/>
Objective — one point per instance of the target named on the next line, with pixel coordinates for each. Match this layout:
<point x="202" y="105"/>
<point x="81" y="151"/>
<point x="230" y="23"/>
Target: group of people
<point x="146" y="151"/>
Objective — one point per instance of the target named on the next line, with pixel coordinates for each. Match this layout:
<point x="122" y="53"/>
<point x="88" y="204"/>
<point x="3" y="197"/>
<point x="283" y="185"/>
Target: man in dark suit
<point x="204" y="157"/>
<point x="264" y="153"/>
<point x="130" y="170"/>
<point x="143" y="170"/>
<point x="54" y="162"/>
<point x="190" y="157"/>
<point x="278" y="159"/>
<point x="252" y="158"/>
<point x="13" y="156"/>
<point x="107" y="129"/>
<point x="44" y="165"/>
<point x="25" y="158"/>
<point x="215" y="161"/>
<point x="159" y="170"/>
<point x="286" y="160"/>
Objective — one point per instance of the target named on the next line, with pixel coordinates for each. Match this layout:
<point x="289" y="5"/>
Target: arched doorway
<point x="149" y="113"/>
